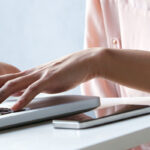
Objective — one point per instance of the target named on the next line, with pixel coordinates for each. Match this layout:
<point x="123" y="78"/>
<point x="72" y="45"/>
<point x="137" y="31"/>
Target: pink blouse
<point x="123" y="24"/>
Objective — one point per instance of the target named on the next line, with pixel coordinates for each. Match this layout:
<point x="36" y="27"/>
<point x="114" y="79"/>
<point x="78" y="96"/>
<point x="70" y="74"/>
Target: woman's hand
<point x="7" y="69"/>
<point x="54" y="77"/>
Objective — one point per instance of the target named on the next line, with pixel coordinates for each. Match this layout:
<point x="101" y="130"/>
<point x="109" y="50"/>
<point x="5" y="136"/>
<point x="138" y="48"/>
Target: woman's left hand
<point x="53" y="77"/>
<point x="7" y="68"/>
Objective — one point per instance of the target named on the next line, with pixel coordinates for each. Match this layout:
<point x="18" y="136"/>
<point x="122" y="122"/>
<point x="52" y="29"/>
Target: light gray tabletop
<point x="42" y="136"/>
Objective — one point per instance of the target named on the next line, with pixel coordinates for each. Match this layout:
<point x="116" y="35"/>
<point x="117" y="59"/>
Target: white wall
<point x="33" y="32"/>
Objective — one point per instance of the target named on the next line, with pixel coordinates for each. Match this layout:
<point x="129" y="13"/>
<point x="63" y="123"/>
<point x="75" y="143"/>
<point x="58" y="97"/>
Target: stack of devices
<point x="45" y="108"/>
<point x="69" y="111"/>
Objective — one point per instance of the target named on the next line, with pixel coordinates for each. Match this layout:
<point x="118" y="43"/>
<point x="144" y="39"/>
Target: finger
<point x="31" y="92"/>
<point x="16" y="85"/>
<point x="7" y="77"/>
<point x="17" y="94"/>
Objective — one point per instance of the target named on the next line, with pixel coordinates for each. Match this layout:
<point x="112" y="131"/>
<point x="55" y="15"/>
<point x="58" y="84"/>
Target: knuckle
<point x="33" y="89"/>
<point x="50" y="73"/>
<point x="2" y="93"/>
<point x="10" y="84"/>
<point x="46" y="74"/>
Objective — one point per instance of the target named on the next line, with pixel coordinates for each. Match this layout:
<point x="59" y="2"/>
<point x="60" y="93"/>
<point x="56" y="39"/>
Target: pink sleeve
<point x="95" y="37"/>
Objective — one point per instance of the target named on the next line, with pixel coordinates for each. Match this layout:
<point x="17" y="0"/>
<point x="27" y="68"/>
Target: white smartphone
<point x="90" y="119"/>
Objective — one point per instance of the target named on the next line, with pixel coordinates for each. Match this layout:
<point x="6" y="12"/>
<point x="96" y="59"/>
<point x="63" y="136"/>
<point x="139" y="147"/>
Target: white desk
<point x="116" y="136"/>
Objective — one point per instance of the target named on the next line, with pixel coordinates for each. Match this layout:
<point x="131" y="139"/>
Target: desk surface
<point x="120" y="135"/>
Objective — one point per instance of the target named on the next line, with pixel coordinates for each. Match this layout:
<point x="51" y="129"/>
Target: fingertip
<point x="16" y="107"/>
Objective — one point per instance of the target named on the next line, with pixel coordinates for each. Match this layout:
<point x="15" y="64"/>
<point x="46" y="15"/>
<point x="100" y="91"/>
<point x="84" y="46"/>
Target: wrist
<point x="99" y="62"/>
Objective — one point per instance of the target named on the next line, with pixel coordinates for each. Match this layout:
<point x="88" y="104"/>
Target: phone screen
<point x="103" y="113"/>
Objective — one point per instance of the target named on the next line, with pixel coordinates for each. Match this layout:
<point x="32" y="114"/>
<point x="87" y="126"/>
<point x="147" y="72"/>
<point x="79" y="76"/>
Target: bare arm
<point x="127" y="67"/>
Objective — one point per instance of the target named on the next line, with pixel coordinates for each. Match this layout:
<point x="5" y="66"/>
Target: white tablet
<point x="91" y="119"/>
<point x="46" y="108"/>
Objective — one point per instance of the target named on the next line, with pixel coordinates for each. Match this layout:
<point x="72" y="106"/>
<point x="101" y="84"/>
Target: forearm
<point x="127" y="67"/>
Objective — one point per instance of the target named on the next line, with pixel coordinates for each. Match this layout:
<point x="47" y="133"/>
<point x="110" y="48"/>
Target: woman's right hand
<point x="54" y="77"/>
